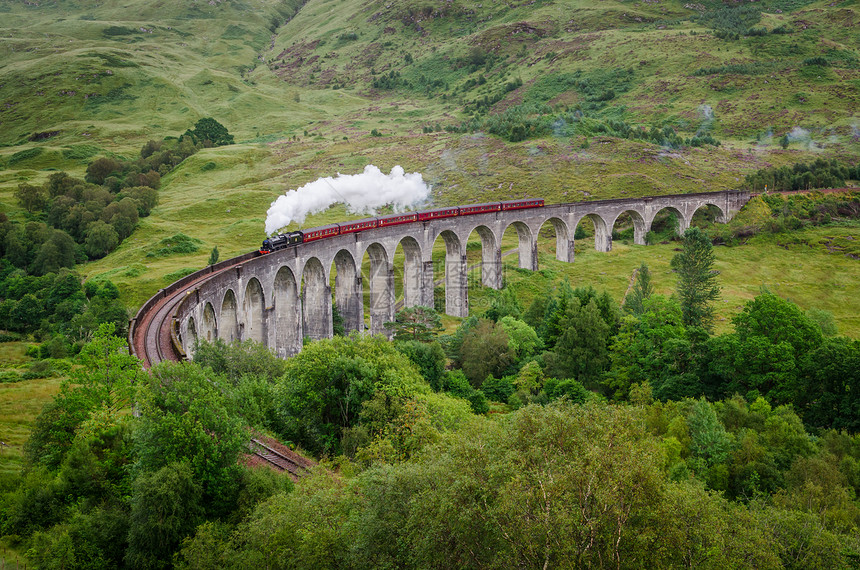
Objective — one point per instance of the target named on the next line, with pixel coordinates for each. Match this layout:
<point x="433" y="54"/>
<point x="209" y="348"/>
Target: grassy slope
<point x="267" y="70"/>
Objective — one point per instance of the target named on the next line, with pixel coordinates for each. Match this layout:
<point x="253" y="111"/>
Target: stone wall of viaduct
<point x="284" y="296"/>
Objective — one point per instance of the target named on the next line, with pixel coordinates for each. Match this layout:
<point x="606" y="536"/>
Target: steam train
<point x="288" y="239"/>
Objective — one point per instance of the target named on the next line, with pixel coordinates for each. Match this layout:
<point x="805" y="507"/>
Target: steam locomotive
<point x="288" y="239"/>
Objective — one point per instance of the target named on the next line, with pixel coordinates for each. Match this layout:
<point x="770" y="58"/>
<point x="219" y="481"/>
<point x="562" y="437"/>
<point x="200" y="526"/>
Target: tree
<point x="146" y="198"/>
<point x="429" y="357"/>
<point x="415" y="323"/>
<point x="831" y="389"/>
<point x="522" y="338"/>
<point x="101" y="239"/>
<point x="31" y="198"/>
<point x="485" y="351"/>
<point x="213" y="256"/>
<point x="106" y="380"/>
<point x="99" y="169"/>
<point x="325" y="385"/>
<point x="122" y="216"/>
<point x="57" y="252"/>
<point x="642" y="290"/>
<point x="166" y="506"/>
<point x="697" y="280"/>
<point x="654" y="348"/>
<point x="581" y="351"/>
<point x="210" y="132"/>
<point x="188" y="416"/>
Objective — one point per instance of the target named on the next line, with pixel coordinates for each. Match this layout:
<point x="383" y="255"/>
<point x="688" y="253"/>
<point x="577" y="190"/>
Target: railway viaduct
<point x="280" y="298"/>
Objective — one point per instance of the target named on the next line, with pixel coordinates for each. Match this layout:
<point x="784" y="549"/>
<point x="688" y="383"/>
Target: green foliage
<point x="595" y="87"/>
<point x="101" y="239"/>
<point x="642" y="291"/>
<point x="210" y="133"/>
<point x="654" y="347"/>
<point x="571" y="124"/>
<point x="415" y="323"/>
<point x="105" y="382"/>
<point x="428" y="357"/>
<point x="522" y="339"/>
<point x="757" y="68"/>
<point x="485" y="351"/>
<point x="571" y="390"/>
<point x="24" y="155"/>
<point x="31" y="198"/>
<point x="213" y="256"/>
<point x="503" y="303"/>
<point x="239" y="358"/>
<point x="498" y="389"/>
<point x="455" y="383"/>
<point x="324" y="386"/>
<point x="166" y="506"/>
<point x="56" y="307"/>
<point x="581" y="350"/>
<point x="820" y="173"/>
<point x="697" y="280"/>
<point x="175" y="244"/>
<point x="187" y="418"/>
<point x="731" y="23"/>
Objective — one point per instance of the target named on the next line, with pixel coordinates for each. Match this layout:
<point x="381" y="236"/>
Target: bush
<point x="498" y="389"/>
<point x="39" y="369"/>
<point x="455" y="383"/>
<point x="9" y="377"/>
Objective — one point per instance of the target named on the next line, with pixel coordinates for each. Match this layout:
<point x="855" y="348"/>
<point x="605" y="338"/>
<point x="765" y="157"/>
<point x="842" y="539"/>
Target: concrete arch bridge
<point x="280" y="298"/>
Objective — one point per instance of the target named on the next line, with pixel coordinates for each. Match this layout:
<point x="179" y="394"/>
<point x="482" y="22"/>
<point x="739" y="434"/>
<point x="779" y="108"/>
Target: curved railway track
<point x="149" y="335"/>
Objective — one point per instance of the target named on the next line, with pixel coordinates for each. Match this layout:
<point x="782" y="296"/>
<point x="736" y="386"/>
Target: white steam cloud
<point x="362" y="193"/>
<point x="707" y="112"/>
<point x="798" y="134"/>
<point x="803" y="137"/>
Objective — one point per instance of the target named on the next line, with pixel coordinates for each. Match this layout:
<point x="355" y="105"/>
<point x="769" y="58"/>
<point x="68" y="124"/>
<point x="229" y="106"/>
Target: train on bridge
<point x="289" y="239"/>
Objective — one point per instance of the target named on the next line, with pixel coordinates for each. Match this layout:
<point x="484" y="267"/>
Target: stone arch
<point x="208" y="324"/>
<point x="720" y="217"/>
<point x="316" y="300"/>
<point x="381" y="282"/>
<point x="413" y="272"/>
<point x="347" y="291"/>
<point x="563" y="239"/>
<point x="229" y="323"/>
<point x="190" y="337"/>
<point x="456" y="291"/>
<point x="639" y="230"/>
<point x="683" y="222"/>
<point x="491" y="257"/>
<point x="602" y="232"/>
<point x="254" y="311"/>
<point x="287" y="314"/>
<point x="527" y="245"/>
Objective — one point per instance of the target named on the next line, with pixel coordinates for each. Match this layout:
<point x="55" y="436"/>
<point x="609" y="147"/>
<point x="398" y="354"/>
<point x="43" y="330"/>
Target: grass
<point x="20" y="403"/>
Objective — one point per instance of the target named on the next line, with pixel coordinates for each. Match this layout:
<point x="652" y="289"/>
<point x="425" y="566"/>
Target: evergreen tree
<point x="697" y="280"/>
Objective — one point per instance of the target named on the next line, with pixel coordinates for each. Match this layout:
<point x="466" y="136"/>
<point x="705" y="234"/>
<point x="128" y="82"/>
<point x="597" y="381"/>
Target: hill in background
<point x="567" y="100"/>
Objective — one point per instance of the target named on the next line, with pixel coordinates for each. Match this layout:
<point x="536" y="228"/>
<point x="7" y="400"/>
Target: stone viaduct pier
<point x="280" y="298"/>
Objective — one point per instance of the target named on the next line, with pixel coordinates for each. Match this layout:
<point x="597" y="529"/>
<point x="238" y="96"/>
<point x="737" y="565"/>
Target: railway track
<point x="291" y="462"/>
<point x="149" y="335"/>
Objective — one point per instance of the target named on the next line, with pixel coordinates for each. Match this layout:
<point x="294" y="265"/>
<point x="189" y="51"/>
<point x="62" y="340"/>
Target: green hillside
<point x="568" y="100"/>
